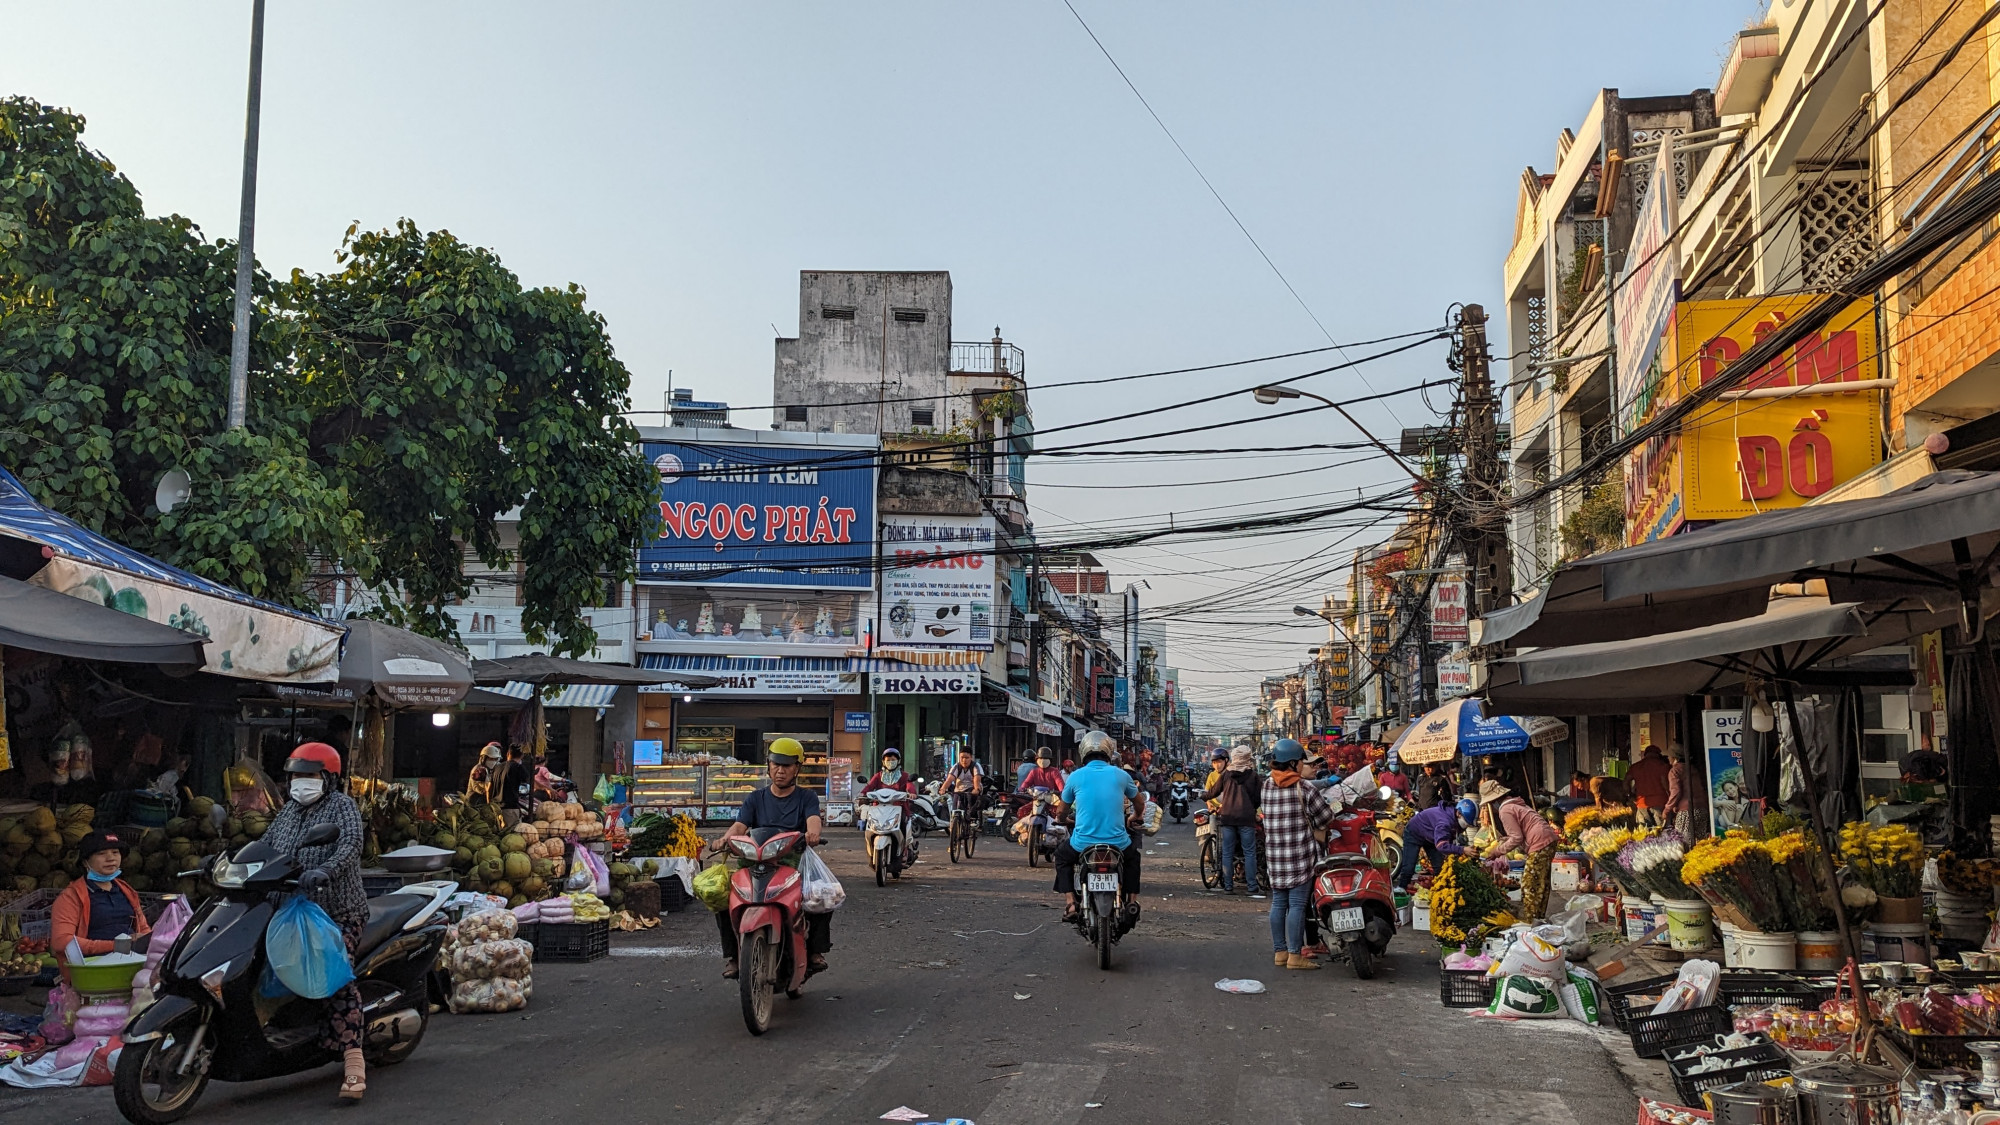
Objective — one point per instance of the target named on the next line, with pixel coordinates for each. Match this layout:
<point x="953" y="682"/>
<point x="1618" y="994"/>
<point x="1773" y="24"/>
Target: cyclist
<point x="965" y="785"/>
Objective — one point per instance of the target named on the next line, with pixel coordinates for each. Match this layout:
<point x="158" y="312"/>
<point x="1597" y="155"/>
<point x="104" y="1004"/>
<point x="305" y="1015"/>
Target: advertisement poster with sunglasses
<point x="937" y="581"/>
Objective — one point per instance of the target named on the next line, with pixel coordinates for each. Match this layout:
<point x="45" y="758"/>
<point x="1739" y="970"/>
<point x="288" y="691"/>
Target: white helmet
<point x="1095" y="743"/>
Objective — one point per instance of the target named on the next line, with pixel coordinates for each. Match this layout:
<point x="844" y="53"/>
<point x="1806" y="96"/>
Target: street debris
<point x="904" y="1113"/>
<point x="1359" y="1105"/>
<point x="1243" y="987"/>
<point x="1002" y="933"/>
<point x="1023" y="995"/>
<point x="1347" y="1085"/>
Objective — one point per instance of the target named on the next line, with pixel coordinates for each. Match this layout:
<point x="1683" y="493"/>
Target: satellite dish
<point x="174" y="489"/>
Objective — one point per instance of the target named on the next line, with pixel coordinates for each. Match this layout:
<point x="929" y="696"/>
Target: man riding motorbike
<point x="785" y="806"/>
<point x="330" y="875"/>
<point x="1106" y="803"/>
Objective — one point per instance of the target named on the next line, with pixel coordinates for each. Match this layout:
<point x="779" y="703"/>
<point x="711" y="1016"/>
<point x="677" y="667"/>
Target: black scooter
<point x="1177" y="801"/>
<point x="211" y="1020"/>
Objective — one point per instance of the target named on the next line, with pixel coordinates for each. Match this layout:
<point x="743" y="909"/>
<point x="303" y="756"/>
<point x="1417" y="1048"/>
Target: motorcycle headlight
<point x="229" y="875"/>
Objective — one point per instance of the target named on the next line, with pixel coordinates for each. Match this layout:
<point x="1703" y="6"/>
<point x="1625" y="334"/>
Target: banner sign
<point x="1644" y="295"/>
<point x="933" y="592"/>
<point x="1103" y="699"/>
<point x="1722" y="747"/>
<point x="1448" y="610"/>
<point x="1121" y="697"/>
<point x="783" y="681"/>
<point x="923" y="682"/>
<point x="762" y="515"/>
<point x="1454" y="675"/>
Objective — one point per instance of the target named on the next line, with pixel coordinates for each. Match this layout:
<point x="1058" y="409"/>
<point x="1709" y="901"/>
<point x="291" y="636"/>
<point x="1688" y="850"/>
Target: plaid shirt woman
<point x="1291" y="812"/>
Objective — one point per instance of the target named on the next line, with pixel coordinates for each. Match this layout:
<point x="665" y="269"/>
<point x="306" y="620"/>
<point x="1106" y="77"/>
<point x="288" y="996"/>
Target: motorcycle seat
<point x="387" y="915"/>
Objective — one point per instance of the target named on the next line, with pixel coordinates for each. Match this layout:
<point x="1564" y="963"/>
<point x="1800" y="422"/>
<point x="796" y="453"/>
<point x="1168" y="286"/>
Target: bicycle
<point x="964" y="828"/>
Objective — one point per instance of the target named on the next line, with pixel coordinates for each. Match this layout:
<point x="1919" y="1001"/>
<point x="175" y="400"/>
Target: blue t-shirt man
<point x="762" y="809"/>
<point x="1099" y="793"/>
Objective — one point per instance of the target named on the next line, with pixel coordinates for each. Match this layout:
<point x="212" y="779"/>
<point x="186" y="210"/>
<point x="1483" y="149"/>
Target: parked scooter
<point x="1042" y="833"/>
<point x="211" y="1020"/>
<point x="889" y="845"/>
<point x="1106" y="913"/>
<point x="767" y="910"/>
<point x="1177" y="800"/>
<point x="1352" y="898"/>
<point x="928" y="810"/>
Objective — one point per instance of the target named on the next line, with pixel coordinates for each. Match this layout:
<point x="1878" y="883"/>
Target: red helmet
<point x="312" y="757"/>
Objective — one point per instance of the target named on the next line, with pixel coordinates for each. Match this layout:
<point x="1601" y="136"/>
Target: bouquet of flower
<point x="1967" y="876"/>
<point x="1737" y="874"/>
<point x="1655" y="862"/>
<point x="1604" y="845"/>
<point x="1808" y="899"/>
<point x="1462" y="897"/>
<point x="1888" y="860"/>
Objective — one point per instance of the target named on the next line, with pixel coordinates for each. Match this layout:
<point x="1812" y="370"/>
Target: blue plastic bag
<point x="307" y="950"/>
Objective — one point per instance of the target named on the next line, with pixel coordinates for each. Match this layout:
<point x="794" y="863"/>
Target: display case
<point x="672" y="785"/>
<point x="728" y="785"/>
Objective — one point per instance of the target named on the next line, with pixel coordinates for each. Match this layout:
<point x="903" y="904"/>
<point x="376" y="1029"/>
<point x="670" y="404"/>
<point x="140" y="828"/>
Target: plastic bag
<point x="501" y="995"/>
<point x="1243" y="987"/>
<point x="1534" y="954"/>
<point x="1694" y="987"/>
<point x="712" y="887"/>
<point x="600" y="872"/>
<point x="1525" y="996"/>
<point x="823" y="893"/>
<point x="492" y="960"/>
<point x="59" y="1014"/>
<point x="487" y="925"/>
<point x="307" y="951"/>
<point x="1580" y="998"/>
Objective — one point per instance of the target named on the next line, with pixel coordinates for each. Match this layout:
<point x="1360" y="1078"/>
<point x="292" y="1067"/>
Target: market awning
<point x="247" y="638"/>
<point x="1649" y="673"/>
<point x="393" y="666"/>
<point x="542" y="670"/>
<point x="571" y="695"/>
<point x="42" y="620"/>
<point x="1908" y="546"/>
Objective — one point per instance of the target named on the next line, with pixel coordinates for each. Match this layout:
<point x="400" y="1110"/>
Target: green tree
<point x="398" y="406"/>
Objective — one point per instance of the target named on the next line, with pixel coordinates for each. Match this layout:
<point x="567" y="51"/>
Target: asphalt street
<point x="955" y="992"/>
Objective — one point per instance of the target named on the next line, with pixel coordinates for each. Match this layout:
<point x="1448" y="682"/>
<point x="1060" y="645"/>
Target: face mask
<point x="306" y="790"/>
<point x="111" y="878"/>
<point x="892" y="776"/>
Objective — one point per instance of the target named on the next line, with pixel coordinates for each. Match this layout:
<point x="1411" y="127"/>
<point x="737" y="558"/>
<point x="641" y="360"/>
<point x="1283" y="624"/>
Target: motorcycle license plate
<point x="1109" y="882"/>
<point x="1346" y="920"/>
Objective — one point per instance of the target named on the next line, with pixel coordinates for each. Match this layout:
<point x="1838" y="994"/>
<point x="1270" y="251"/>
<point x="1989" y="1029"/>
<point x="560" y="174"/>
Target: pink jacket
<point x="1522" y="828"/>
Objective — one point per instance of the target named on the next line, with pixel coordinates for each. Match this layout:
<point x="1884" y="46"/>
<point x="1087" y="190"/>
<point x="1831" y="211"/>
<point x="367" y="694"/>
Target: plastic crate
<point x="1618" y="996"/>
<point x="572" y="941"/>
<point x="674" y="896"/>
<point x="1464" y="988"/>
<point x="1654" y="1036"/>
<point x="1758" y="1062"/>
<point x="1937" y="1052"/>
<point x="1757" y="989"/>
<point x="34" y="910"/>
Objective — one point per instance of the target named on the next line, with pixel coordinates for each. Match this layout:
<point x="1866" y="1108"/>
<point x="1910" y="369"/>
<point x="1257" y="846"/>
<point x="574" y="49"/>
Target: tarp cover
<point x="42" y="620"/>
<point x="537" y="668"/>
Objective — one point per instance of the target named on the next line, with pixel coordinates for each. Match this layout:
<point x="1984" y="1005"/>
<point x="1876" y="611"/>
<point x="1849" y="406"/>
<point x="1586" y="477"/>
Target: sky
<point x="683" y="162"/>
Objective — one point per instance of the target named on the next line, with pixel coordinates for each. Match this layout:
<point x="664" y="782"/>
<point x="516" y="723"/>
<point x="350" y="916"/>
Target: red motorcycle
<point x="1352" y="898"/>
<point x="767" y="909"/>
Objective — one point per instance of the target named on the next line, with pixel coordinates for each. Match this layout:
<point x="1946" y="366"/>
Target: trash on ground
<point x="1247" y="987"/>
<point x="1023" y="995"/>
<point x="1093" y="1105"/>
<point x="1346" y="1085"/>
<point x="904" y="1113"/>
<point x="1359" y="1105"/>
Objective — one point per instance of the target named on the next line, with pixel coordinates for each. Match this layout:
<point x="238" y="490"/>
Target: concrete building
<point x="872" y="355"/>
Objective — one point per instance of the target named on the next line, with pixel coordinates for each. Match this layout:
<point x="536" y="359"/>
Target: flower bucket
<point x="1689" y="928"/>
<point x="1420" y="915"/>
<point x="1665" y="937"/>
<point x="1753" y="949"/>
<point x="1901" y="911"/>
<point x="1909" y="943"/>
<point x="1820" y="950"/>
<point x="1962" y="917"/>
<point x="1640" y="917"/>
<point x="1566" y="873"/>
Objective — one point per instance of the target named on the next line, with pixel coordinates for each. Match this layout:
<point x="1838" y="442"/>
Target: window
<point x="922" y="416"/>
<point x="795" y="414"/>
<point x="909" y="316"/>
<point x="836" y="312"/>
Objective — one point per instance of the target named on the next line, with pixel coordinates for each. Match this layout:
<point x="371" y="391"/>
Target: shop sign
<point x="1752" y="455"/>
<point x="937" y="582"/>
<point x="1454" y="675"/>
<point x="1646" y="289"/>
<point x="1378" y="636"/>
<point x="1050" y="727"/>
<point x="1103" y="697"/>
<point x="1022" y="708"/>
<point x="1448" y="609"/>
<point x="1121" y="697"/>
<point x="1722" y="747"/>
<point x="857" y="722"/>
<point x="783" y="681"/>
<point x="762" y="515"/>
<point x="923" y="683"/>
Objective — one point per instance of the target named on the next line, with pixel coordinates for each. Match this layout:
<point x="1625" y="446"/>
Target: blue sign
<point x="860" y="722"/>
<point x="1121" y="698"/>
<point x="648" y="752"/>
<point x="762" y="515"/>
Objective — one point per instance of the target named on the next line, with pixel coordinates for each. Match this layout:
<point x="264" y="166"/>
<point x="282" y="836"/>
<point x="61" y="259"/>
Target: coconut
<point x="180" y="847"/>
<point x="503" y="888"/>
<point x="517" y="866"/>
<point x="446" y="841"/>
<point x="512" y="842"/>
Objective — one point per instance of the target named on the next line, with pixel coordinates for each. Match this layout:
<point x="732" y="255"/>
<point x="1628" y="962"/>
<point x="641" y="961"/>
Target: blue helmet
<point x="1468" y="809"/>
<point x="1288" y="750"/>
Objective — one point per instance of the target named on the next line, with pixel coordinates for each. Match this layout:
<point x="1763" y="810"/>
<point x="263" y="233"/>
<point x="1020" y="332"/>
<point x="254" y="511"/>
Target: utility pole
<point x="246" y="229"/>
<point x="1487" y="553"/>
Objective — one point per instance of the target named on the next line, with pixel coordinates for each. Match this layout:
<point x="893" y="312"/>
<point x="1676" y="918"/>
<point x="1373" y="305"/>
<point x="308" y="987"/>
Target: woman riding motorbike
<point x="330" y="875"/>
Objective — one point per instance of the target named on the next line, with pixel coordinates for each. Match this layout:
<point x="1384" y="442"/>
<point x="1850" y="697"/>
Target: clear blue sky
<point x="683" y="162"/>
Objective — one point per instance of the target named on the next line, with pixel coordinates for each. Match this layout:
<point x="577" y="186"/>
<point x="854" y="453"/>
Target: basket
<point x="1654" y="1036"/>
<point x="1758" y="1062"/>
<point x="1464" y="988"/>
<point x="34" y="910"/>
<point x="1618" y="997"/>
<point x="1757" y="989"/>
<point x="572" y="941"/>
<point x="674" y="897"/>
<point x="1937" y="1052"/>
<point x="16" y="985"/>
<point x="1649" y="1116"/>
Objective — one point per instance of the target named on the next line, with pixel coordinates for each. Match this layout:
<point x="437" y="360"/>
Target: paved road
<point x="956" y="993"/>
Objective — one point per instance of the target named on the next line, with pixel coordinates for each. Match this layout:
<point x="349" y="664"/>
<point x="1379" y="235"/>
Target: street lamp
<point x="1272" y="394"/>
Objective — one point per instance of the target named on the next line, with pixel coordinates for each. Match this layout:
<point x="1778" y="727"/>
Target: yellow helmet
<point x="786" y="748"/>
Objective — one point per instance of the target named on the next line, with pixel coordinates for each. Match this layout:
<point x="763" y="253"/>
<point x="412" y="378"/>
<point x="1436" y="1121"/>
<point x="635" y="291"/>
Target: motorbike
<point x="890" y="846"/>
<point x="767" y="910"/>
<point x="1106" y="913"/>
<point x="925" y="809"/>
<point x="1352" y="898"/>
<point x="212" y="1018"/>
<point x="1042" y="834"/>
<point x="1177" y="800"/>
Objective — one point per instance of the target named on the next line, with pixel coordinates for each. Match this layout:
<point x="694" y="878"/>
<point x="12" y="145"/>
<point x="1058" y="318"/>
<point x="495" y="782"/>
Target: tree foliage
<point x="398" y="405"/>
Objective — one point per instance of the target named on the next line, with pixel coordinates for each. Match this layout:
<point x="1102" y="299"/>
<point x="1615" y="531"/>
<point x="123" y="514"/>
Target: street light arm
<point x="1271" y="394"/>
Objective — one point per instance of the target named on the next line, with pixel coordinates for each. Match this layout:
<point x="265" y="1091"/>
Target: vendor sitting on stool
<point x="100" y="906"/>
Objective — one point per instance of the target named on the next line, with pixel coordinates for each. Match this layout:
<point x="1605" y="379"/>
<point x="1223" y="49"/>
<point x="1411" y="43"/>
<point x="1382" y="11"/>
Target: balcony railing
<point x="989" y="357"/>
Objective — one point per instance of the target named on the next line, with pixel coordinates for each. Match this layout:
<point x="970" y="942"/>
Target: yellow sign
<point x="1744" y="455"/>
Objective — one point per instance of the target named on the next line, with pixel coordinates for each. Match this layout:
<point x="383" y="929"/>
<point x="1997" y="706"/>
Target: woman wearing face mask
<point x="329" y="875"/>
<point x="98" y="908"/>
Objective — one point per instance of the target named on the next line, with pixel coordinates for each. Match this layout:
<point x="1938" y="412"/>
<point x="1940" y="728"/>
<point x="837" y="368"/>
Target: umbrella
<point x="1458" y="727"/>
<point x="42" y="620"/>
<point x="400" y="668"/>
<point x="541" y="671"/>
<point x="1932" y="541"/>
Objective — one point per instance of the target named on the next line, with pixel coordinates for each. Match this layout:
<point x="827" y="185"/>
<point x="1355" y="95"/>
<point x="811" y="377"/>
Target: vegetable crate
<point x="1654" y="1036"/>
<point x="34" y="911"/>
<point x="572" y="941"/>
<point x="1464" y="988"/>
<point x="1759" y="1062"/>
<point x="1937" y="1052"/>
<point x="1617" y="997"/>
